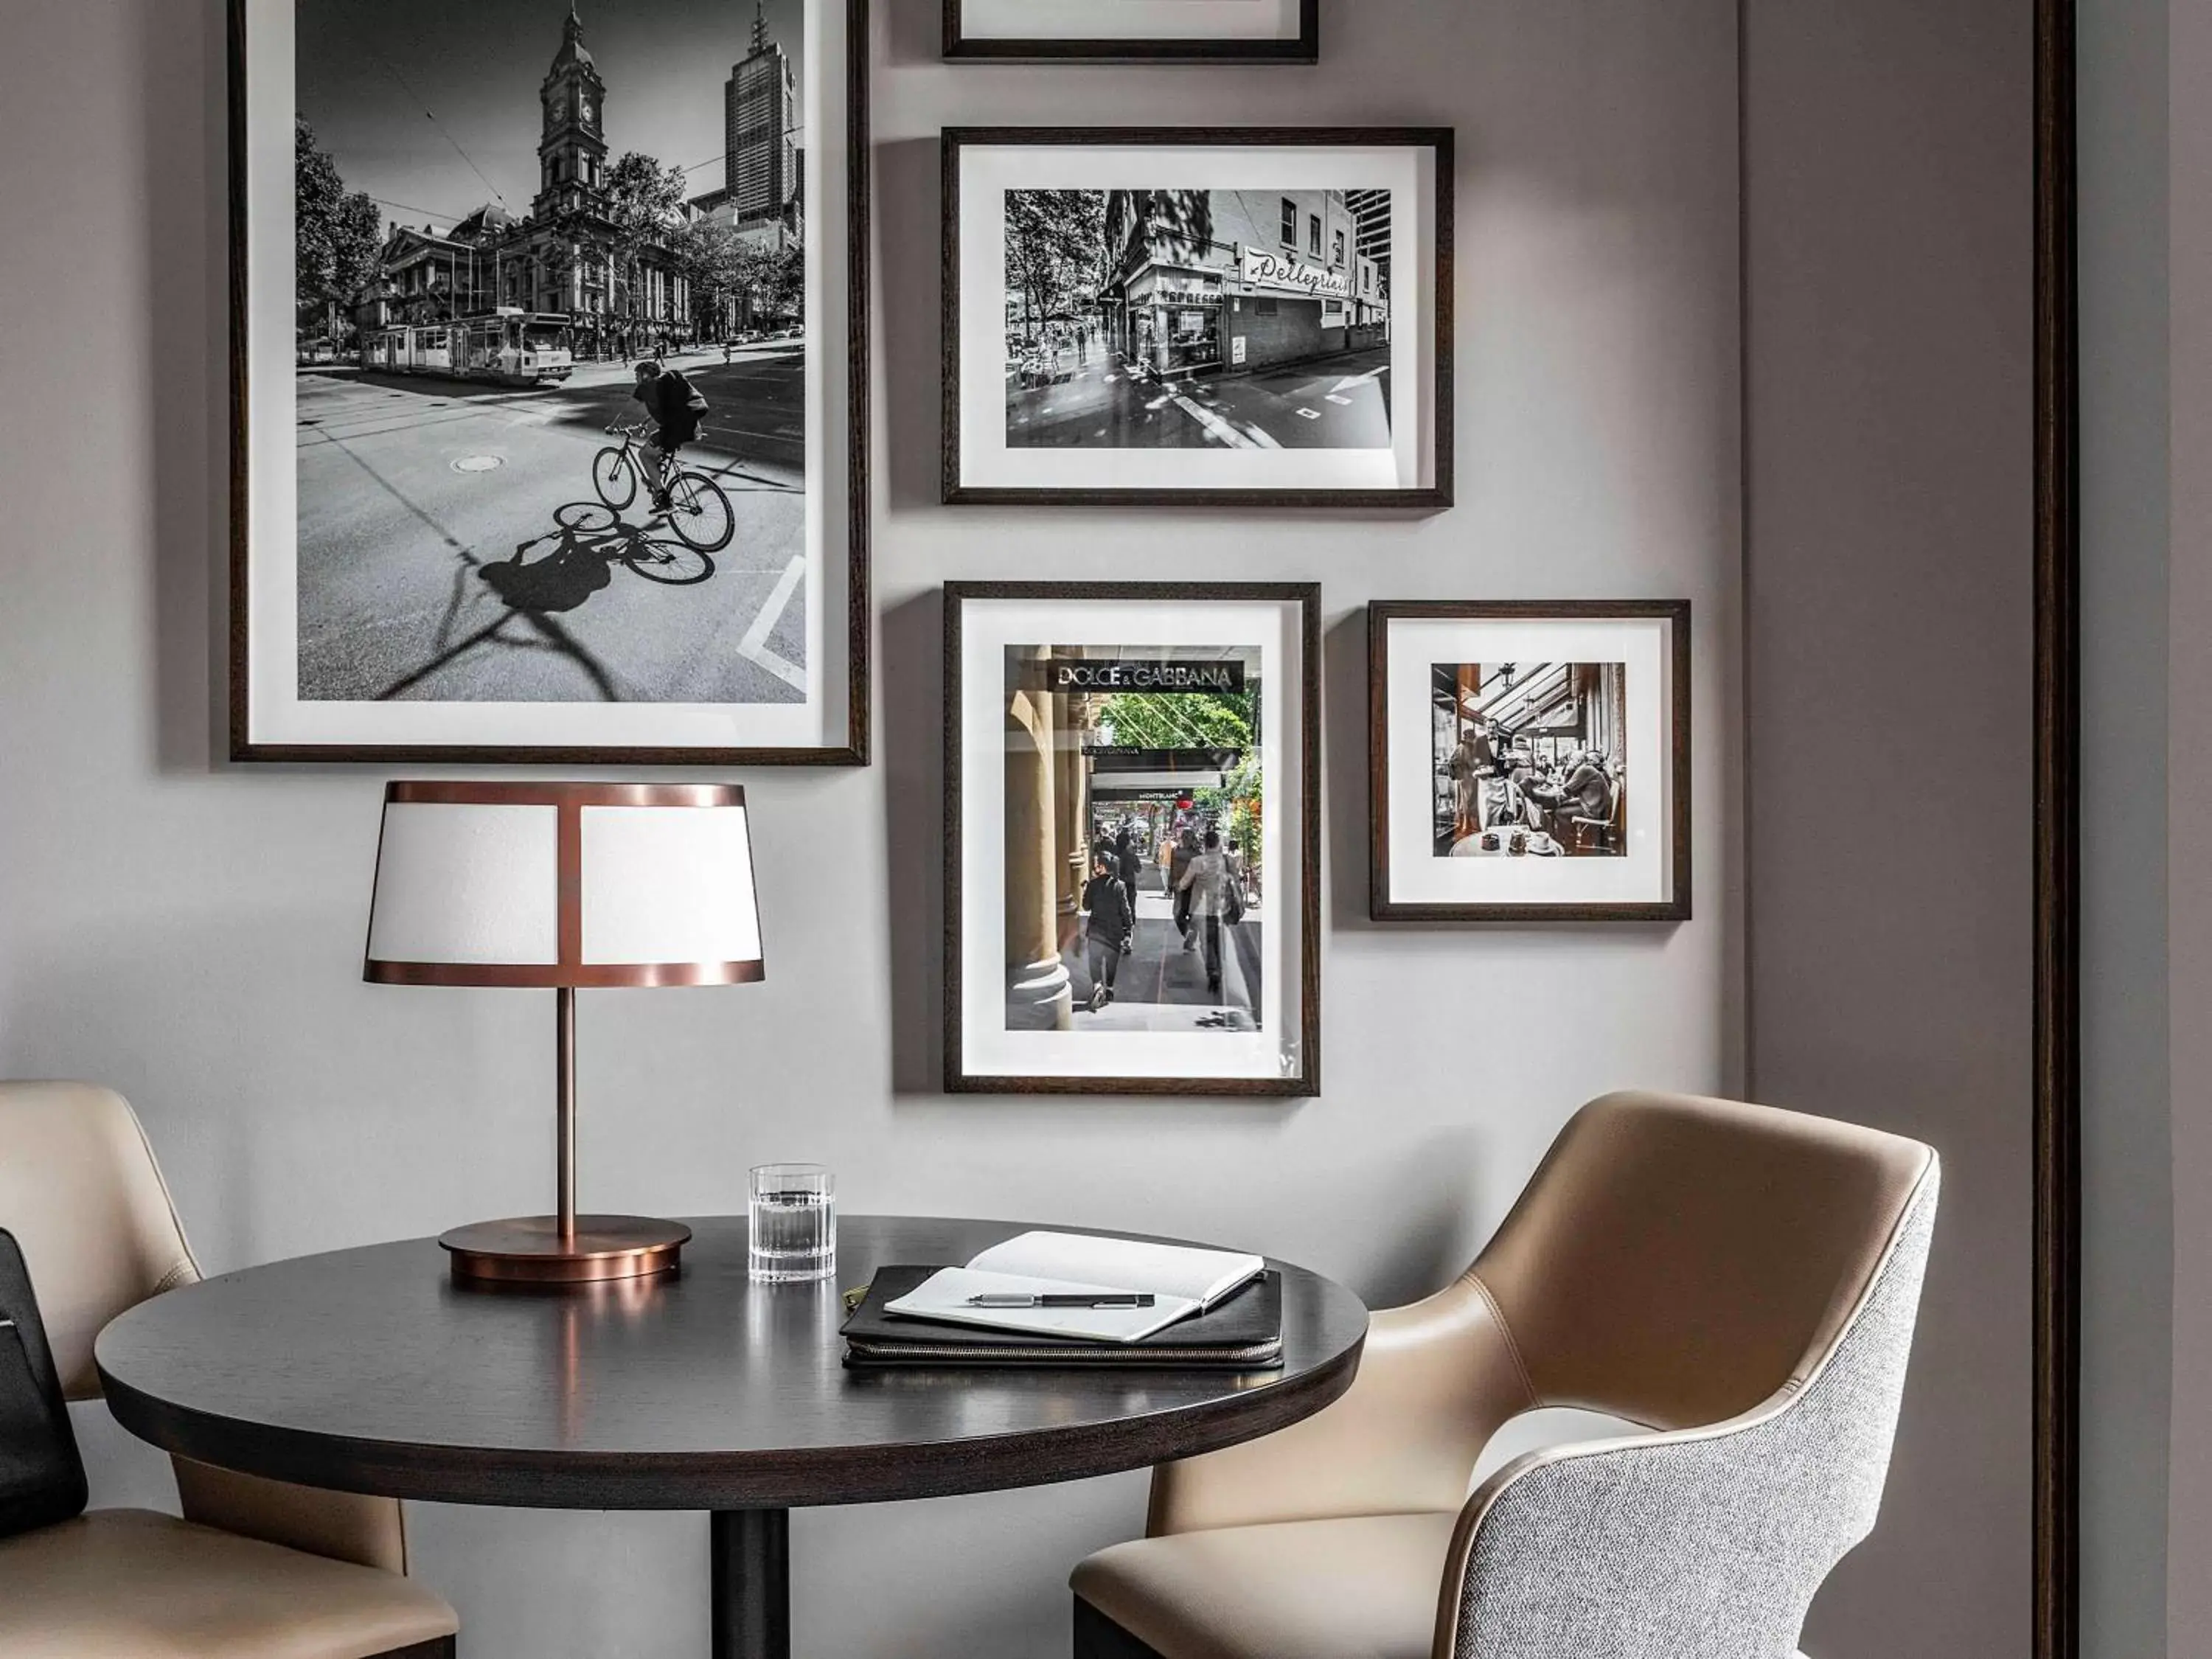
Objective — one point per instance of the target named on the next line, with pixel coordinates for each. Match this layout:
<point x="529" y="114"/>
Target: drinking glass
<point x="793" y="1212"/>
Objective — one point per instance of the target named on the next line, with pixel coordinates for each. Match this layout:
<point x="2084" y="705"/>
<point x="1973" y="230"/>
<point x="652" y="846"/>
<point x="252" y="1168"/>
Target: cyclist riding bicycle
<point x="677" y="407"/>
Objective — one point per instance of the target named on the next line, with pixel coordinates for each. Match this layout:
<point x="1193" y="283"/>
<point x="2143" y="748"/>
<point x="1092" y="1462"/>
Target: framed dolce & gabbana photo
<point x="1132" y="830"/>
<point x="1244" y="316"/>
<point x="550" y="382"/>
<point x="1134" y="31"/>
<point x="1529" y="762"/>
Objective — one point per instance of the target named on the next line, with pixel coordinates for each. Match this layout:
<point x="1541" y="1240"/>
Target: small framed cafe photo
<point x="1134" y="31"/>
<point x="1242" y="317"/>
<point x="1132" y="836"/>
<point x="1529" y="762"/>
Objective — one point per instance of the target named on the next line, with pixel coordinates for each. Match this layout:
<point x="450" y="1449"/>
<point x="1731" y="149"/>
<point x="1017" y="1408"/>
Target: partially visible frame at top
<point x="970" y="33"/>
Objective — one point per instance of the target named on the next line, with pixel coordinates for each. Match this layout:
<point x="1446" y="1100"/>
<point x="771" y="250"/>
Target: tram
<point x="509" y="346"/>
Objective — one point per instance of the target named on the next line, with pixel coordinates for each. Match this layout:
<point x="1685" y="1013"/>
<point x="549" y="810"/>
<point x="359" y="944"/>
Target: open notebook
<point x="1183" y="1281"/>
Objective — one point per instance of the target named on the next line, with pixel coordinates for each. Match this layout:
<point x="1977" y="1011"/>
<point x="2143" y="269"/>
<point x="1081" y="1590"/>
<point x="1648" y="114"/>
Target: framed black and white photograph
<point x="1162" y="316"/>
<point x="550" y="374"/>
<point x="1530" y="762"/>
<point x="1132" y="839"/>
<point x="1134" y="31"/>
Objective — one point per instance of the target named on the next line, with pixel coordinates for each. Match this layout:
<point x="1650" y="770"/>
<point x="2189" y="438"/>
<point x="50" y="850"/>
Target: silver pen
<point x="1018" y="1299"/>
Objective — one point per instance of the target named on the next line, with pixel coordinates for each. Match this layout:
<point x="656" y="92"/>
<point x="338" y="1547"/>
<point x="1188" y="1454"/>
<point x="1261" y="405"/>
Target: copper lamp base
<point x="530" y="1249"/>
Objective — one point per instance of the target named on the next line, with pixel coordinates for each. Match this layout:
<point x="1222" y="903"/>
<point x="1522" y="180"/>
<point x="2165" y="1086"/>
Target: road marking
<point x="754" y="646"/>
<point x="1220" y="431"/>
<point x="1346" y="402"/>
<point x="1310" y="414"/>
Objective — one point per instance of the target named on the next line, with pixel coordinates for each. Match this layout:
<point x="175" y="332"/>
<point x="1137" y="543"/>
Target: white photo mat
<point x="1130" y="19"/>
<point x="1644" y="875"/>
<point x="988" y="628"/>
<point x="276" y="715"/>
<point x="988" y="172"/>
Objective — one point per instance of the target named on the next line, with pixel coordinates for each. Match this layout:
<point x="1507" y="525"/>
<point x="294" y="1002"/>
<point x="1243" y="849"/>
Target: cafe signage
<point x="1264" y="270"/>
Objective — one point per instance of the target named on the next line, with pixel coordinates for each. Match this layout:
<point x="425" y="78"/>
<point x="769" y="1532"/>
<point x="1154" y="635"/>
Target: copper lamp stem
<point x="565" y="1074"/>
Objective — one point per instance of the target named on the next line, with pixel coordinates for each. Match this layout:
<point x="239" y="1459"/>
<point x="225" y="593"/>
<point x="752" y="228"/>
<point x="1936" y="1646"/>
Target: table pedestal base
<point x="750" y="1552"/>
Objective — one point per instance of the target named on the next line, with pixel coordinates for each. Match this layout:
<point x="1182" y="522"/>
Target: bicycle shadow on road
<point x="588" y="540"/>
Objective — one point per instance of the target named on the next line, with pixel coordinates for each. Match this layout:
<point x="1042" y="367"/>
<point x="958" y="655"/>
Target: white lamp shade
<point x="554" y="885"/>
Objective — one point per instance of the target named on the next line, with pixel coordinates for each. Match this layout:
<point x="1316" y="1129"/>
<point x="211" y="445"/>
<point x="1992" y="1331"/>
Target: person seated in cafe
<point x="1585" y="792"/>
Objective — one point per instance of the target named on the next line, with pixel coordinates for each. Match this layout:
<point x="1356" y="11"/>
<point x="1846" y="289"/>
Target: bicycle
<point x="698" y="512"/>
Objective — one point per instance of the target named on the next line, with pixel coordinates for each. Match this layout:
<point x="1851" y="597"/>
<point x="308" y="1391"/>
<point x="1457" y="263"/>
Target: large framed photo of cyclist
<point x="1132" y="836"/>
<point x="1529" y="762"/>
<point x="549" y="381"/>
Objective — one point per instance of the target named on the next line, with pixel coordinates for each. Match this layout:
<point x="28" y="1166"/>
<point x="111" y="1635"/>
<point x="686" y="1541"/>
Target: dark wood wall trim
<point x="2057" y="847"/>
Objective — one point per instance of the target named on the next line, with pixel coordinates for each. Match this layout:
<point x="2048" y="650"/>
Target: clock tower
<point x="571" y="150"/>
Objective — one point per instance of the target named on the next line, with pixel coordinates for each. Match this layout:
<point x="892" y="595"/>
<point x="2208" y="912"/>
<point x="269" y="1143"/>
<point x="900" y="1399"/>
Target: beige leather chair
<point x="257" y="1569"/>
<point x="1743" y="1281"/>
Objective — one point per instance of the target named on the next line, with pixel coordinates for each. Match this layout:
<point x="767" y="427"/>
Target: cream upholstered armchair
<point x="1741" y="1280"/>
<point x="257" y="1569"/>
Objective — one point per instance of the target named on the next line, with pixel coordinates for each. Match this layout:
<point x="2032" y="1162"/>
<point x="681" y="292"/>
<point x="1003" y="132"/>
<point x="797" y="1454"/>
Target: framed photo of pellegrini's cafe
<point x="1234" y="317"/>
<point x="550" y="380"/>
<point x="1132" y="839"/>
<point x="1529" y="762"/>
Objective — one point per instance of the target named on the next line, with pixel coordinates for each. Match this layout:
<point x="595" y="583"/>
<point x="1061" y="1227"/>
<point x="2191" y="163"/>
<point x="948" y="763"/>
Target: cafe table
<point x="371" y="1371"/>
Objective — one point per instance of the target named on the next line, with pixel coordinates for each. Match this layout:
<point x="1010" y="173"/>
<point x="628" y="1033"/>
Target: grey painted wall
<point x="1888" y="373"/>
<point x="2128" y="1190"/>
<point x="2189" y="783"/>
<point x="191" y="933"/>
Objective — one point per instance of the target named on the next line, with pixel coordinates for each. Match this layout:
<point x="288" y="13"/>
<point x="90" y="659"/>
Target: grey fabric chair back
<point x="1704" y="1543"/>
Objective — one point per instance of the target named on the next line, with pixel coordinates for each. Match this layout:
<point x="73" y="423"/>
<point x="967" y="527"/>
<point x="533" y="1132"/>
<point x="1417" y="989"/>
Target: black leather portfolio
<point x="1243" y="1332"/>
<point x="41" y="1476"/>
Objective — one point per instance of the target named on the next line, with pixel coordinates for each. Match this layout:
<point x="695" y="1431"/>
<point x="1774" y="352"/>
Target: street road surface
<point x="1341" y="401"/>
<point x="452" y="547"/>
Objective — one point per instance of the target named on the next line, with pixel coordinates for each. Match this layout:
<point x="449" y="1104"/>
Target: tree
<point x="1180" y="720"/>
<point x="644" y="201"/>
<point x="731" y="272"/>
<point x="1055" y="248"/>
<point x="340" y="235"/>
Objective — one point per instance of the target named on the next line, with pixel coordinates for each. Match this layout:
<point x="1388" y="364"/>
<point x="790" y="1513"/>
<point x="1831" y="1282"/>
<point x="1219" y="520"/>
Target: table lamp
<point x="560" y="887"/>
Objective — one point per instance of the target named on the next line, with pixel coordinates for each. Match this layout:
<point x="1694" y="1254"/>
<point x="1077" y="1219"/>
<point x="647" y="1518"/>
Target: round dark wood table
<point x="370" y="1370"/>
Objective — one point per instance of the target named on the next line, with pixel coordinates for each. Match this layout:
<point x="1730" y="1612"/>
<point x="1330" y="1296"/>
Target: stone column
<point x="1038" y="996"/>
<point x="1071" y="786"/>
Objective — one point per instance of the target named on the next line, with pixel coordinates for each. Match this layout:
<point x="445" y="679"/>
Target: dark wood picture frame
<point x="1383" y="613"/>
<point x="1150" y="49"/>
<point x="860" y="622"/>
<point x="1307" y="596"/>
<point x="1436" y="497"/>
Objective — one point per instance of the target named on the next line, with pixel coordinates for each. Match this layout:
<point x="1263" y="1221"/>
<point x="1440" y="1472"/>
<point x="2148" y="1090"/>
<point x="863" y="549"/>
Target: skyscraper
<point x="1371" y="211"/>
<point x="761" y="118"/>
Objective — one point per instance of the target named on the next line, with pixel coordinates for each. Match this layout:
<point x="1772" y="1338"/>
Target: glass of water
<point x="793" y="1212"/>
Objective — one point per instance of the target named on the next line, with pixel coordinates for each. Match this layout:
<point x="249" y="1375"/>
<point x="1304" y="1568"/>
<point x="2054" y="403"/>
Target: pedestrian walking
<point x="1129" y="864"/>
<point x="1206" y="880"/>
<point x="1180" y="859"/>
<point x="1108" y="923"/>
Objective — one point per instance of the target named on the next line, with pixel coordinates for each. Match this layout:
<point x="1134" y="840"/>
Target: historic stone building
<point x="568" y="258"/>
